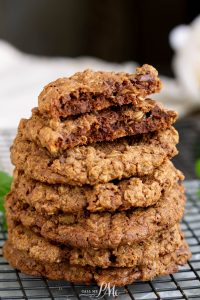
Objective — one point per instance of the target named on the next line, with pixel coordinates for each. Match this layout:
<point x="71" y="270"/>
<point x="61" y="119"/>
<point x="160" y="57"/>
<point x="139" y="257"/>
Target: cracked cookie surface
<point x="125" y="194"/>
<point x="97" y="163"/>
<point x="93" y="91"/>
<point x="101" y="230"/>
<point x="106" y="125"/>
<point x="40" y="249"/>
<point x="165" y="265"/>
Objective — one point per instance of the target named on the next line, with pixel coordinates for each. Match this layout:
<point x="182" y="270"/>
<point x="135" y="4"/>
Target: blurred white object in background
<point x="23" y="76"/>
<point x="185" y="40"/>
<point x="183" y="93"/>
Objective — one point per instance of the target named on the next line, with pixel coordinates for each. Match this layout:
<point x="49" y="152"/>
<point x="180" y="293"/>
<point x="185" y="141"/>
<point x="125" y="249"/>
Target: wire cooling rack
<point x="182" y="285"/>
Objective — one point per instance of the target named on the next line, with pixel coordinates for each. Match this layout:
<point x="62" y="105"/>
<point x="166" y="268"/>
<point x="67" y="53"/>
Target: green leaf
<point x="5" y="184"/>
<point x="1" y="203"/>
<point x="197" y="167"/>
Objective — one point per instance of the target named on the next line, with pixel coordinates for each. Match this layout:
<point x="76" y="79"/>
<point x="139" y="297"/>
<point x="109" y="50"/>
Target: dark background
<point x="114" y="30"/>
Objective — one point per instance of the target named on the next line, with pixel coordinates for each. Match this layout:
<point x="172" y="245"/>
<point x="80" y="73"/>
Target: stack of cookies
<point x="95" y="197"/>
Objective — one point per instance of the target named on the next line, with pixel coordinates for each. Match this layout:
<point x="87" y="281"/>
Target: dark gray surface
<point x="189" y="146"/>
<point x="114" y="30"/>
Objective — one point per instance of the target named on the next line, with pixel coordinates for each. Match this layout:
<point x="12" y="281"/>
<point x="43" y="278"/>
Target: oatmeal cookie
<point x="98" y="163"/>
<point x="125" y="194"/>
<point x="106" y="125"/>
<point x="40" y="249"/>
<point x="165" y="265"/>
<point x="101" y="230"/>
<point x="91" y="91"/>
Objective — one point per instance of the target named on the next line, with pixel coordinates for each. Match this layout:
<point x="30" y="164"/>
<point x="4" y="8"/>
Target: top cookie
<point x="88" y="91"/>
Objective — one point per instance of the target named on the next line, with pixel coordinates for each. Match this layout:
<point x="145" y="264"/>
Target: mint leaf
<point x="5" y="184"/>
<point x="197" y="167"/>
